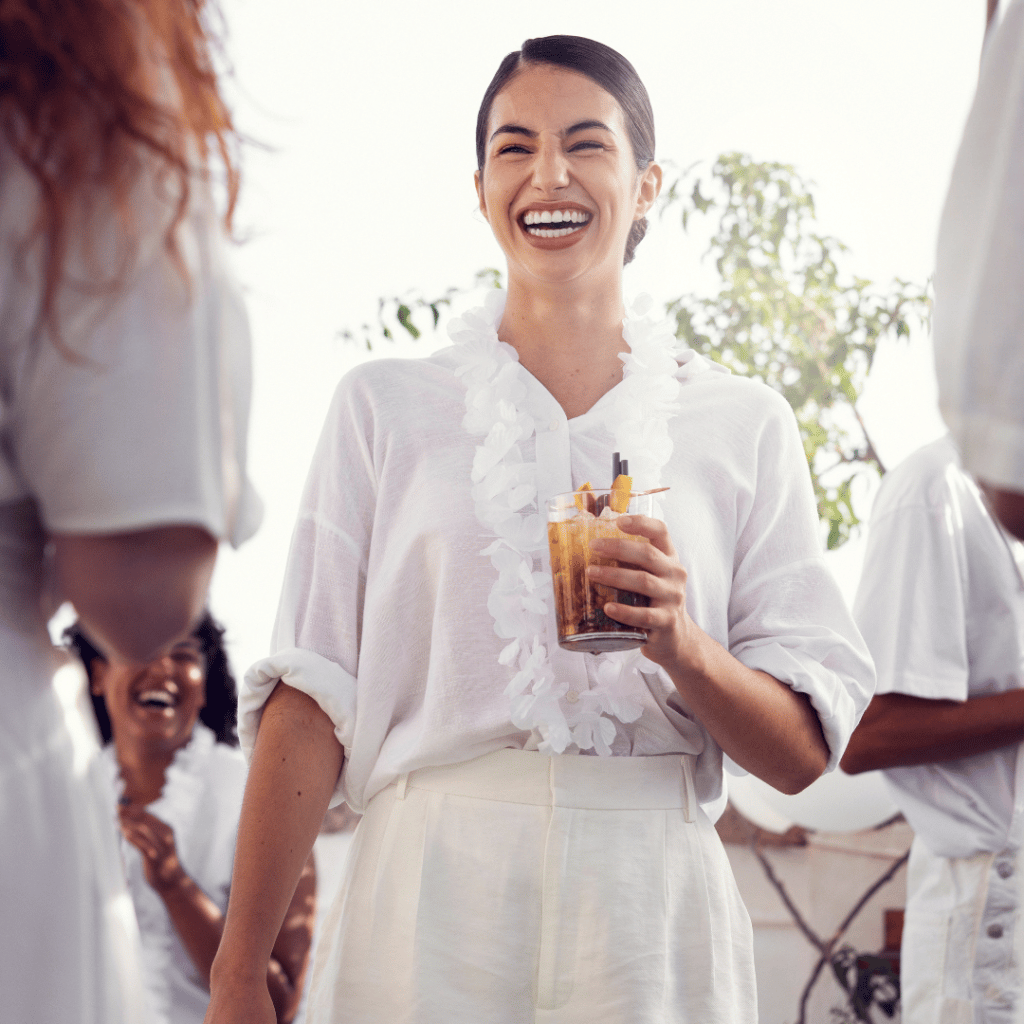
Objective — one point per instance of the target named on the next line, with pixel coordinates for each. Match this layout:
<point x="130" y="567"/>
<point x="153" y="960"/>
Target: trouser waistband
<point x="566" y="780"/>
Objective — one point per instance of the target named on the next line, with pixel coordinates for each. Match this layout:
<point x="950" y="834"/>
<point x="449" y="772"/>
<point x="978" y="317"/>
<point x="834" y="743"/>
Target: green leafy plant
<point x="787" y="313"/>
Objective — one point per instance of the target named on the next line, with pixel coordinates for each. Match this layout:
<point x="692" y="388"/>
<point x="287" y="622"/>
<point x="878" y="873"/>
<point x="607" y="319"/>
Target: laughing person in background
<point x="169" y="730"/>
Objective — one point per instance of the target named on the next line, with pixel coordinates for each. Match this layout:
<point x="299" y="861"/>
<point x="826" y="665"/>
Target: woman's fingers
<point x="651" y="619"/>
<point x="653" y="529"/>
<point x="636" y="581"/>
<point x="140" y="839"/>
<point x="633" y="553"/>
<point x="153" y="837"/>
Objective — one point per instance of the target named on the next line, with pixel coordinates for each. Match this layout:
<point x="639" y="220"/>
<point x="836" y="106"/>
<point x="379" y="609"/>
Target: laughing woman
<point x="169" y="732"/>
<point x="499" y="872"/>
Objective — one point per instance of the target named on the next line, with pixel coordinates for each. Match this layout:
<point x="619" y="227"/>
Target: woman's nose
<point x="551" y="168"/>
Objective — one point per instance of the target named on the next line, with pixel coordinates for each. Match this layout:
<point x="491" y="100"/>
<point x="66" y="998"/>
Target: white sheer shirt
<point x="147" y="422"/>
<point x="941" y="606"/>
<point x="979" y="270"/>
<point x="383" y="617"/>
<point x="201" y="801"/>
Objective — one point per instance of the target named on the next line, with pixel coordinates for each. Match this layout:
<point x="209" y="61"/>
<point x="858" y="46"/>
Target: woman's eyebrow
<point x="512" y="129"/>
<point x="584" y="126"/>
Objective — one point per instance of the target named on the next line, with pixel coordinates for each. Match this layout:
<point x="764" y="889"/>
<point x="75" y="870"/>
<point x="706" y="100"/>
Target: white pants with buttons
<point x="520" y="888"/>
<point x="958" y="964"/>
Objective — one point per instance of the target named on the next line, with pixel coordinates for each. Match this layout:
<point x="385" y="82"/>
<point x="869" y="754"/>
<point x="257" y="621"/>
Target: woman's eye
<point x="514" y="148"/>
<point x="586" y="144"/>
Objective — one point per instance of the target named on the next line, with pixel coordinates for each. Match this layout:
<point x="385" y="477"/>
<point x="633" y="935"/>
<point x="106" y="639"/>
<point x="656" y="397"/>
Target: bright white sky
<point x="366" y="190"/>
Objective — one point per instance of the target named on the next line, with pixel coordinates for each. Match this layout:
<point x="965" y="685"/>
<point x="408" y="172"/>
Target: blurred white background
<point x="365" y="187"/>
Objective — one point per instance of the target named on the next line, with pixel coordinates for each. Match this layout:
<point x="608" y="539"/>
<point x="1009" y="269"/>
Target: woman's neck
<point x="568" y="339"/>
<point x="143" y="769"/>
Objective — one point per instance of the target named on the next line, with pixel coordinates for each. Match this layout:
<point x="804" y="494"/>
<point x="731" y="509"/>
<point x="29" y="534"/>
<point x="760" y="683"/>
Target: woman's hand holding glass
<point x="657" y="574"/>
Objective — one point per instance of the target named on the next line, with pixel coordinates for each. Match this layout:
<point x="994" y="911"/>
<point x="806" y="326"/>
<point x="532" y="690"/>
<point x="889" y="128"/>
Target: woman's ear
<point x="650" y="189"/>
<point x="98" y="677"/>
<point x="479" y="185"/>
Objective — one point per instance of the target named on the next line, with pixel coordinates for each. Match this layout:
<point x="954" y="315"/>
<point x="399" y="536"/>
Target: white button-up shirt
<point x="941" y="605"/>
<point x="383" y="617"/>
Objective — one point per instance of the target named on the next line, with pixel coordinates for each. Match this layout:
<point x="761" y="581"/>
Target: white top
<point x="201" y="801"/>
<point x="147" y="427"/>
<point x="384" y="614"/>
<point x="941" y="606"/>
<point x="979" y="271"/>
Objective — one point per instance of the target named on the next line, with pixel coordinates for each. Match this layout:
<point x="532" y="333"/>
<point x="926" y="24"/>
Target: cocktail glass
<point x="574" y="520"/>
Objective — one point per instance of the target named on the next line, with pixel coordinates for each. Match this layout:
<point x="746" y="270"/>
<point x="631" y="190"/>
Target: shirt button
<point x="572" y="696"/>
<point x="1004" y="870"/>
<point x="995" y="931"/>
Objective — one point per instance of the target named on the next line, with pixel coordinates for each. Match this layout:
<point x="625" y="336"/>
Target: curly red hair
<point x="94" y="91"/>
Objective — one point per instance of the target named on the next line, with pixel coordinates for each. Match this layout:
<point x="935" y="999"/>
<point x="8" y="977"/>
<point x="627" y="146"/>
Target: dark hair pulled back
<point x="601" y="64"/>
<point x="221" y="710"/>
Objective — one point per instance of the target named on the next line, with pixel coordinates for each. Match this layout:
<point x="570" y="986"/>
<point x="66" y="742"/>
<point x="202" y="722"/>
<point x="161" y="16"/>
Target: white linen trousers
<point x="522" y="888"/>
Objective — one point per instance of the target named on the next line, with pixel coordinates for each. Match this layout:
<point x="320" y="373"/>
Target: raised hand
<point x="154" y="839"/>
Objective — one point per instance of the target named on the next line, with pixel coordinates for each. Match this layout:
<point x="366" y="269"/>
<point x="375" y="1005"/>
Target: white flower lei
<point x="505" y="497"/>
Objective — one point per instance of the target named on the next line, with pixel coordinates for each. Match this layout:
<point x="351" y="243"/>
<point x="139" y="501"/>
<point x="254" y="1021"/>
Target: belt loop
<point x="689" y="791"/>
<point x="400" y="787"/>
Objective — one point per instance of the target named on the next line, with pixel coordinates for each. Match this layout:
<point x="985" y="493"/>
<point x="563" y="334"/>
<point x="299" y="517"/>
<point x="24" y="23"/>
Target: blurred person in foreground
<point x="170" y="742"/>
<point x="941" y="606"/>
<point x="979" y="277"/>
<point x="124" y="384"/>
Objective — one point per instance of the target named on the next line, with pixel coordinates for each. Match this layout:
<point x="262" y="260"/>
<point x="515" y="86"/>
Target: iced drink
<point x="573" y="522"/>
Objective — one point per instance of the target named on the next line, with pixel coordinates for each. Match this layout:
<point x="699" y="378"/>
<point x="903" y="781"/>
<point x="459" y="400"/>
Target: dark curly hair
<point x="221" y="711"/>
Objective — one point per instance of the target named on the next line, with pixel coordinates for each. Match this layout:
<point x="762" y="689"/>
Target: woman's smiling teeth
<point x="155" y="698"/>
<point x="554" y="223"/>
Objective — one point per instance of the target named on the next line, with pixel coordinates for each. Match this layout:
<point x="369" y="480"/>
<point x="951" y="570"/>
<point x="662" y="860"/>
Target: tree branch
<point x="870" y="453"/>
<point x="825" y="947"/>
<point x="859" y="906"/>
<point x="785" y="897"/>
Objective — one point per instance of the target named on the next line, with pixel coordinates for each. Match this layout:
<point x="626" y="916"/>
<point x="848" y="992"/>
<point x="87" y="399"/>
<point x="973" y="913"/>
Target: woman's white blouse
<point x="145" y="423"/>
<point x="383" y="617"/>
<point x="201" y="801"/>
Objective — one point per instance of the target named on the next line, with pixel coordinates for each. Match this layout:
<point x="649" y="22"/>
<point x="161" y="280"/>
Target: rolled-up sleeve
<point x="787" y="616"/>
<point x="316" y="641"/>
<point x="328" y="684"/>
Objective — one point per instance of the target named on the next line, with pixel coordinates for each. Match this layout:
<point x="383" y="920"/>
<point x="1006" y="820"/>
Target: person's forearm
<point x="765" y="726"/>
<point x="197" y="920"/>
<point x="294" y="769"/>
<point x="200" y="924"/>
<point x="290" y="958"/>
<point x="136" y="592"/>
<point x="900" y="731"/>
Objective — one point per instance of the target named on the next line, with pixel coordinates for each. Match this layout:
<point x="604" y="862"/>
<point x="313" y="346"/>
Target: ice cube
<point x="608" y="513"/>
